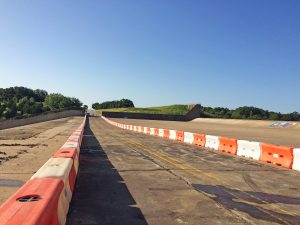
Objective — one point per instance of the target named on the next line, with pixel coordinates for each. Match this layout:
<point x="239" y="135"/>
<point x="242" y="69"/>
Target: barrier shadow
<point x="252" y="203"/>
<point x="100" y="196"/>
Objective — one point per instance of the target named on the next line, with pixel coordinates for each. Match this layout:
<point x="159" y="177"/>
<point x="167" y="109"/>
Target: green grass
<point x="169" y="110"/>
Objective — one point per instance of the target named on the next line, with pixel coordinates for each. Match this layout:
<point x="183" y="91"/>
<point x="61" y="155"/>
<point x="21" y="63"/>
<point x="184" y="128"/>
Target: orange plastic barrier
<point x="179" y="136"/>
<point x="140" y="129"/>
<point x="228" y="145"/>
<point x="166" y="133"/>
<point x="35" y="203"/>
<point x="276" y="154"/>
<point x="156" y="132"/>
<point x="199" y="140"/>
<point x="66" y="153"/>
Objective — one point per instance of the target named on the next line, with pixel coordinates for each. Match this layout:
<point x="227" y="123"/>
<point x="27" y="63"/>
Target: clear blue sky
<point x="155" y="52"/>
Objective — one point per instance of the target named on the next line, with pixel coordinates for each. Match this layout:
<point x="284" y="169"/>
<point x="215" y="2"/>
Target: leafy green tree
<point x="123" y="103"/>
<point x="58" y="101"/>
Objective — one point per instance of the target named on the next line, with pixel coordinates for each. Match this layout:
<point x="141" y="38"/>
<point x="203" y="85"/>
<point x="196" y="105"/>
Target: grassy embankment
<point x="169" y="110"/>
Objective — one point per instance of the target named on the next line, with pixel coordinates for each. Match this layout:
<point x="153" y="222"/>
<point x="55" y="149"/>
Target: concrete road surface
<point x="127" y="178"/>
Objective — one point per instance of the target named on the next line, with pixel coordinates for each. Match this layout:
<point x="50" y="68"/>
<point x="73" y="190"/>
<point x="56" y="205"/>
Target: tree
<point x="21" y="101"/>
<point x="58" y="101"/>
<point x="96" y="105"/>
<point x="123" y="103"/>
<point x="40" y="95"/>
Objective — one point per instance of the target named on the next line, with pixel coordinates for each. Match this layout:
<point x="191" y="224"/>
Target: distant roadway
<point x="127" y="178"/>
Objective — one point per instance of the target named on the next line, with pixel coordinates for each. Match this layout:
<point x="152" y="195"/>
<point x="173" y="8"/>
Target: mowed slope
<point x="23" y="150"/>
<point x="252" y="130"/>
<point x="130" y="178"/>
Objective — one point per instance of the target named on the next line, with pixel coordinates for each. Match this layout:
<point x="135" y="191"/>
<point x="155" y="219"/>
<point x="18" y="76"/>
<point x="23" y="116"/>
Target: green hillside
<point x="169" y="110"/>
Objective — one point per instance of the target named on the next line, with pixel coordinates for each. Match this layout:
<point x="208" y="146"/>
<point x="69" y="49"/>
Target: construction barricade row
<point x="283" y="156"/>
<point x="45" y="198"/>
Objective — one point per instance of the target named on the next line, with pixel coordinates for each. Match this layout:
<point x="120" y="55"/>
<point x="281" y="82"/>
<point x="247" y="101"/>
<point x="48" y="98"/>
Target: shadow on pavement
<point x="101" y="196"/>
<point x="252" y="203"/>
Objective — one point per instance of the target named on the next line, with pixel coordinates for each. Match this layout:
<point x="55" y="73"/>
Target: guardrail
<point x="283" y="156"/>
<point x="45" y="198"/>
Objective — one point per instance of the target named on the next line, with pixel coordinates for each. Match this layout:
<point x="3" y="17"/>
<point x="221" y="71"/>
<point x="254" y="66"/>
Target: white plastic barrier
<point x="296" y="163"/>
<point x="249" y="149"/>
<point x="57" y="168"/>
<point x="72" y="145"/>
<point x="212" y="142"/>
<point x="161" y="132"/>
<point x="74" y="137"/>
<point x="135" y="128"/>
<point x="152" y="131"/>
<point x="145" y="130"/>
<point x="188" y="137"/>
<point x="172" y="135"/>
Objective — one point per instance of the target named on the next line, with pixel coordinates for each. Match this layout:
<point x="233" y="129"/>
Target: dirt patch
<point x="29" y="131"/>
<point x="27" y="145"/>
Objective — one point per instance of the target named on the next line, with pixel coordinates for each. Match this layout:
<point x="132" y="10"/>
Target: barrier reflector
<point x="172" y="135"/>
<point x="296" y="161"/>
<point x="249" y="149"/>
<point x="212" y="142"/>
<point x="39" y="201"/>
<point x="199" y="140"/>
<point x="166" y="133"/>
<point x="161" y="132"/>
<point x="152" y="131"/>
<point x="188" y="137"/>
<point x="68" y="153"/>
<point x="60" y="168"/>
<point x="179" y="136"/>
<point x="156" y="132"/>
<point x="228" y="145"/>
<point x="277" y="155"/>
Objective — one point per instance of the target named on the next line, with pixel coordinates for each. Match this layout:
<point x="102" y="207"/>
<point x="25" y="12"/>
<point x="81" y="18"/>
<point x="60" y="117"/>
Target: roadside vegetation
<point x="169" y="110"/>
<point x="21" y="102"/>
<point x="245" y="112"/>
<point x="123" y="103"/>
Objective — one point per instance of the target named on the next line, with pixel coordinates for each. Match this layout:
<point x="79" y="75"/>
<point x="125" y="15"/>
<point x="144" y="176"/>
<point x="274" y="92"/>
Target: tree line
<point x="248" y="112"/>
<point x="123" y="103"/>
<point x="20" y="102"/>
